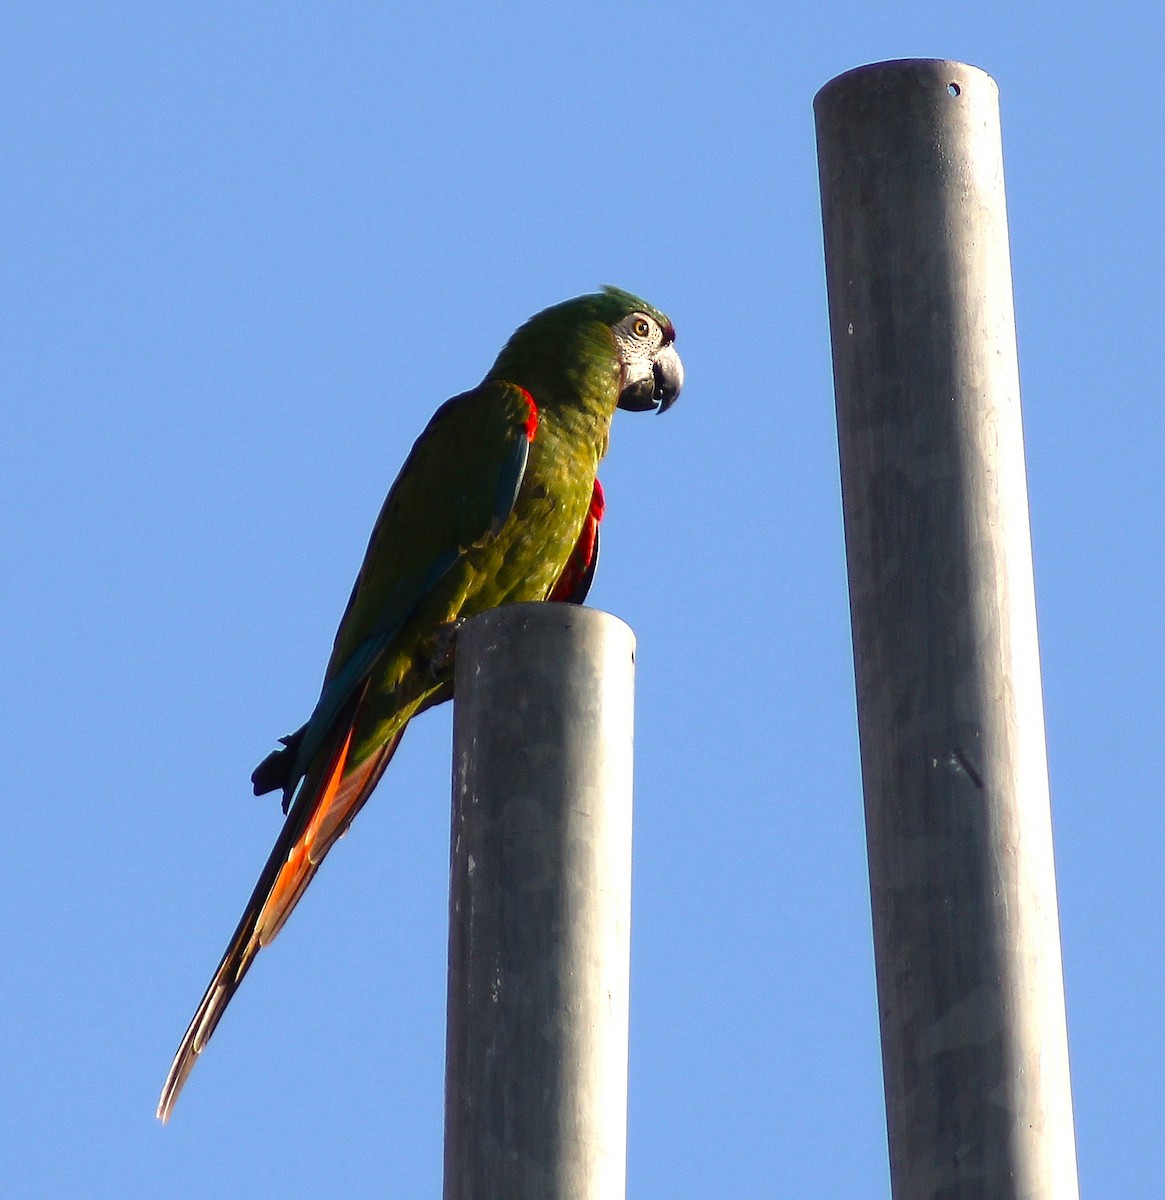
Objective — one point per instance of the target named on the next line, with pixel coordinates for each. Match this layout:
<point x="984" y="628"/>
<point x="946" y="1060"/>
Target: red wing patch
<point x="575" y="580"/>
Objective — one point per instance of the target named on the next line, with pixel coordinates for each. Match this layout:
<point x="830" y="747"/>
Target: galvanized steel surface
<point x="946" y="658"/>
<point x="540" y="904"/>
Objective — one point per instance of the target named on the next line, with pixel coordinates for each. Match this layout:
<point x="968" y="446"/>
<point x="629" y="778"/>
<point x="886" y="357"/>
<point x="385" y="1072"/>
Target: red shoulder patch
<point x="531" y="415"/>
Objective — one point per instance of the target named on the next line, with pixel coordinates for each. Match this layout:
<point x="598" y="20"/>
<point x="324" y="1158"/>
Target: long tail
<point x="330" y="797"/>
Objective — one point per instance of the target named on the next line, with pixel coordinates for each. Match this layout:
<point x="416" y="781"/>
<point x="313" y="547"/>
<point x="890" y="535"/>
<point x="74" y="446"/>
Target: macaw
<point x="498" y="502"/>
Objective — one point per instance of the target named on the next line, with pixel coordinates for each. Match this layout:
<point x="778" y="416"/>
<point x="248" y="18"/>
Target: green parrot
<point x="498" y="502"/>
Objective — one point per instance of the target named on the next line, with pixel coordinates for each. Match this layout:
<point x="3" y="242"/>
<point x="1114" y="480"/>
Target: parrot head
<point x="652" y="371"/>
<point x="585" y="331"/>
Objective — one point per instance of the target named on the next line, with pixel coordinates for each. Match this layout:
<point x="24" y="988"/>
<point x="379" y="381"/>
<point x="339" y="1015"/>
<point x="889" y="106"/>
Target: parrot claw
<point x="275" y="770"/>
<point x="443" y="648"/>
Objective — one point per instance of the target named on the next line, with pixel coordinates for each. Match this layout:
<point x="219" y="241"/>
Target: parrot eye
<point x="641" y="327"/>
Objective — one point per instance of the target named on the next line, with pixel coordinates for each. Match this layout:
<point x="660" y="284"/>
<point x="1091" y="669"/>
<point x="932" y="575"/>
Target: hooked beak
<point x="658" y="390"/>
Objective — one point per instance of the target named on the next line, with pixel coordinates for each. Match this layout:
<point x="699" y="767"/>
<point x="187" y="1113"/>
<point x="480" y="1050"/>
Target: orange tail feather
<point x="320" y="815"/>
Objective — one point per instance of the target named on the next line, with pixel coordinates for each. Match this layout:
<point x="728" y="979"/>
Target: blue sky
<point x="248" y="250"/>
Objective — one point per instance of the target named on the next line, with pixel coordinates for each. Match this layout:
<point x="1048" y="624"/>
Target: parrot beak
<point x="658" y="390"/>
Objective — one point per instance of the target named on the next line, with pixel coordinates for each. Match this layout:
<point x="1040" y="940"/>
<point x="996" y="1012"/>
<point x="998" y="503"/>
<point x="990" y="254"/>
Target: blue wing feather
<point x="510" y="476"/>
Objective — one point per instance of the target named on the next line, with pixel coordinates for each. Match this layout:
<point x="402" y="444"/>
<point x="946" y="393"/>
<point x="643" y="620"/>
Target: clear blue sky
<point x="247" y="251"/>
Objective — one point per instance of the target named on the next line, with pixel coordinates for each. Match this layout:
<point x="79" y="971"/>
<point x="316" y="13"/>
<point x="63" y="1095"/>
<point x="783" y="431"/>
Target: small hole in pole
<point x="953" y="89"/>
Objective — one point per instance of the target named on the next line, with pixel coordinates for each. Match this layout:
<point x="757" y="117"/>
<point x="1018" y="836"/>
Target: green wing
<point x="455" y="490"/>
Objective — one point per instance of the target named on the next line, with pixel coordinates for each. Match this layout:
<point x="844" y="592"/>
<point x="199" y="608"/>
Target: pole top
<point x="897" y="74"/>
<point x="545" y="616"/>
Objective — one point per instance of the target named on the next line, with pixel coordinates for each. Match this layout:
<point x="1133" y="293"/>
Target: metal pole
<point x="942" y="601"/>
<point x="540" y="906"/>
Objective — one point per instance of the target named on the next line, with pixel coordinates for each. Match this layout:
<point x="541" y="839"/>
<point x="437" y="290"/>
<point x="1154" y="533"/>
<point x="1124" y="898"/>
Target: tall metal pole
<point x="947" y="666"/>
<point x="540" y="906"/>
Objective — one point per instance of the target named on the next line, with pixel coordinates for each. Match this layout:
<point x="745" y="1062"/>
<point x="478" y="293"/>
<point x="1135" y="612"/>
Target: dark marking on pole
<point x="958" y="758"/>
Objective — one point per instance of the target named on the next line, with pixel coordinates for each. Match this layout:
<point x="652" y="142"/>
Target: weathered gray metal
<point x="540" y="906"/>
<point x="942" y="601"/>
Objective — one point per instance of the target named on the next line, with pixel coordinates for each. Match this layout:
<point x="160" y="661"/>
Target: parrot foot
<point x="275" y="770"/>
<point x="443" y="648"/>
